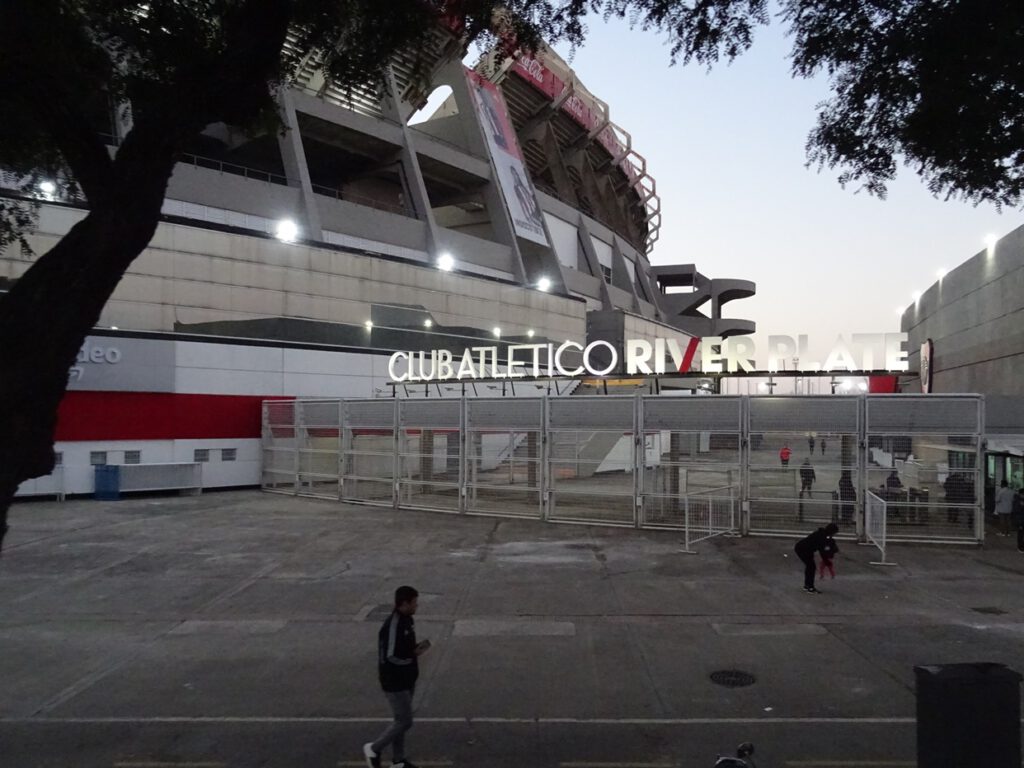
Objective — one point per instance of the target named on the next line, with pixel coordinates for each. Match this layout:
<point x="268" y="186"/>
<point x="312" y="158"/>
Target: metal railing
<point x="706" y="466"/>
<point x="875" y="525"/>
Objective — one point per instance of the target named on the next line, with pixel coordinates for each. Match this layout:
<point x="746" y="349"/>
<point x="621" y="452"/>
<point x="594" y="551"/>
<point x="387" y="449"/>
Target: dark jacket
<point x="807" y="474"/>
<point x="819" y="542"/>
<point x="397" y="666"/>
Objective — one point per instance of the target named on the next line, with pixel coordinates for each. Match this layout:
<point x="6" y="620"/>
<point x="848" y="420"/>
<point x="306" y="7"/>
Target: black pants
<point x="809" y="568"/>
<point x="1020" y="535"/>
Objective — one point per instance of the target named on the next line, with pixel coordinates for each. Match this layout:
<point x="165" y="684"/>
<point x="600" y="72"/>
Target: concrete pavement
<point x="239" y="629"/>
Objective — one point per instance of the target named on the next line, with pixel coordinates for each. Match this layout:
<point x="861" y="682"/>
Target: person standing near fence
<point x="847" y="495"/>
<point x="807" y="477"/>
<point x="823" y="446"/>
<point x="821" y="542"/>
<point x="1004" y="507"/>
<point x="397" y="669"/>
<point x="1018" y="518"/>
<point x="784" y="455"/>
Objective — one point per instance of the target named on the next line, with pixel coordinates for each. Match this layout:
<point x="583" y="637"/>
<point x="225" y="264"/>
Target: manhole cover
<point x="989" y="610"/>
<point x="732" y="678"/>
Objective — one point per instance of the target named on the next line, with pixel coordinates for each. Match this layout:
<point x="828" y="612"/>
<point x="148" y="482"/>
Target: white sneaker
<point x="372" y="758"/>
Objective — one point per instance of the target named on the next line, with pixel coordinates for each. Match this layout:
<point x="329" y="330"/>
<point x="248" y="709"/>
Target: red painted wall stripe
<point x="157" y="416"/>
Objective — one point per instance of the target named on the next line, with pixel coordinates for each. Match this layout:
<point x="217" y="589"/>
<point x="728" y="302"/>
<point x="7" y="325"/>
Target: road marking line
<point x="464" y="720"/>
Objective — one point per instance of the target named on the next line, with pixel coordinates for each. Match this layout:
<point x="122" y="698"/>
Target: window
<point x="607" y="272"/>
<point x="97" y="458"/>
<point x="133" y="457"/>
<point x="201" y="454"/>
<point x="227" y="454"/>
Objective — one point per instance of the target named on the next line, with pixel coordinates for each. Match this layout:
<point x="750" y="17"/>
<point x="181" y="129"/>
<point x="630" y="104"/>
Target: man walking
<point x="397" y="668"/>
<point x="820" y="541"/>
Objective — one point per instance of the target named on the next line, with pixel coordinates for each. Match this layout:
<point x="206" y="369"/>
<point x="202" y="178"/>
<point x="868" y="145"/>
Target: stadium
<point x="294" y="265"/>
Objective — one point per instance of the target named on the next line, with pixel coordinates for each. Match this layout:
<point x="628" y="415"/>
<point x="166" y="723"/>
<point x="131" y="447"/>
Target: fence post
<point x="545" y="450"/>
<point x="296" y="431"/>
<point x="463" y="454"/>
<point x="639" y="459"/>
<point x="396" y="460"/>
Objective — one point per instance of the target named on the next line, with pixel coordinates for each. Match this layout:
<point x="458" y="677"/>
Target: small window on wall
<point x="607" y="272"/>
<point x="97" y="458"/>
<point x="227" y="454"/>
<point x="201" y="455"/>
<point x="133" y="457"/>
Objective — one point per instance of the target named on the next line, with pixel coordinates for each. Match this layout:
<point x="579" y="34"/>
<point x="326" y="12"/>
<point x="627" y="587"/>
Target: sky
<point x="726" y="149"/>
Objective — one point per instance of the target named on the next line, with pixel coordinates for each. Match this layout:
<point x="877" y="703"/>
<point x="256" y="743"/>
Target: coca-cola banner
<point x="513" y="179"/>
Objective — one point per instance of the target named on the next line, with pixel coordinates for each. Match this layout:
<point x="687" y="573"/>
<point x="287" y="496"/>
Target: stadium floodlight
<point x="446" y="262"/>
<point x="287" y="231"/>
<point x="368" y="324"/>
<point x="916" y="296"/>
<point x="530" y="333"/>
<point x="113" y="327"/>
<point x="990" y="241"/>
<point x="47" y="187"/>
<point x="496" y="331"/>
<point x="428" y="323"/>
<point x="544" y="284"/>
<point x="941" y="273"/>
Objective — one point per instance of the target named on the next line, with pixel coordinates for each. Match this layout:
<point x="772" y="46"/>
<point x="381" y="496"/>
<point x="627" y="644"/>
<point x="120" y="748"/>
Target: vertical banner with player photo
<point x="508" y="160"/>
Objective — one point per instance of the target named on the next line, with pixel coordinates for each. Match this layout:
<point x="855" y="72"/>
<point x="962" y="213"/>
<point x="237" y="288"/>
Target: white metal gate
<point x="705" y="465"/>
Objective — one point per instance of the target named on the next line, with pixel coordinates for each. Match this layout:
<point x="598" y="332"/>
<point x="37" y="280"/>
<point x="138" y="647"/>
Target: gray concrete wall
<point x="975" y="319"/>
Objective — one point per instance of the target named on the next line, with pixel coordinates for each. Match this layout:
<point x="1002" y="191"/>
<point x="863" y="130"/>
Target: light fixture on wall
<point x="369" y="325"/>
<point x="496" y="331"/>
<point x="446" y="262"/>
<point x="287" y="231"/>
<point x="544" y="284"/>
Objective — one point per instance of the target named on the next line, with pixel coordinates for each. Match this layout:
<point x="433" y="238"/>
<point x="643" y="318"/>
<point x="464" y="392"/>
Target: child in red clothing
<point x="828" y="552"/>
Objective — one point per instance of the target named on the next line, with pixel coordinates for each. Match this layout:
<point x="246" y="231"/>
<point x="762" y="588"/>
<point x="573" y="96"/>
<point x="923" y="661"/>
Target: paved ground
<point x="238" y="629"/>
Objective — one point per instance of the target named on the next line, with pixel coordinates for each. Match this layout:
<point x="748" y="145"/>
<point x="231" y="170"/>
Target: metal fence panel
<point x="368" y="451"/>
<point x="592" y="460"/>
<point x="802" y="463"/>
<point x="504" y="442"/>
<point x="430" y="454"/>
<point x="691" y="462"/>
<point x="923" y="459"/>
<point x="279" y="467"/>
<point x="318" y="437"/>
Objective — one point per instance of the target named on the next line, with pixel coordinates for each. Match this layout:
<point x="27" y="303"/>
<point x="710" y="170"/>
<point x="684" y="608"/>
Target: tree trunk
<point x="50" y="310"/>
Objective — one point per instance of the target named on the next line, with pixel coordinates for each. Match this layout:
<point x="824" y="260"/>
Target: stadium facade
<point x="966" y="334"/>
<point x="293" y="265"/>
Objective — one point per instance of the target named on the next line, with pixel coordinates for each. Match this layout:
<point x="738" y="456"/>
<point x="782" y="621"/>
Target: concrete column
<point x="621" y="267"/>
<point x="595" y="266"/>
<point x="413" y="175"/>
<point x="296" y="168"/>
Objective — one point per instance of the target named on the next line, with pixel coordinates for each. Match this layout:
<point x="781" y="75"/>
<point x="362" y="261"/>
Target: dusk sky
<point x="727" y="151"/>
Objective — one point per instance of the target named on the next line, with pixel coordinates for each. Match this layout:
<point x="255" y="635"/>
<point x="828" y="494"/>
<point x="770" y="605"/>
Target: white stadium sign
<point x="737" y="354"/>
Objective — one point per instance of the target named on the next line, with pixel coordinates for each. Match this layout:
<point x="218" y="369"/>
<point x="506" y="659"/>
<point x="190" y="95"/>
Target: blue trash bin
<point x="108" y="482"/>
